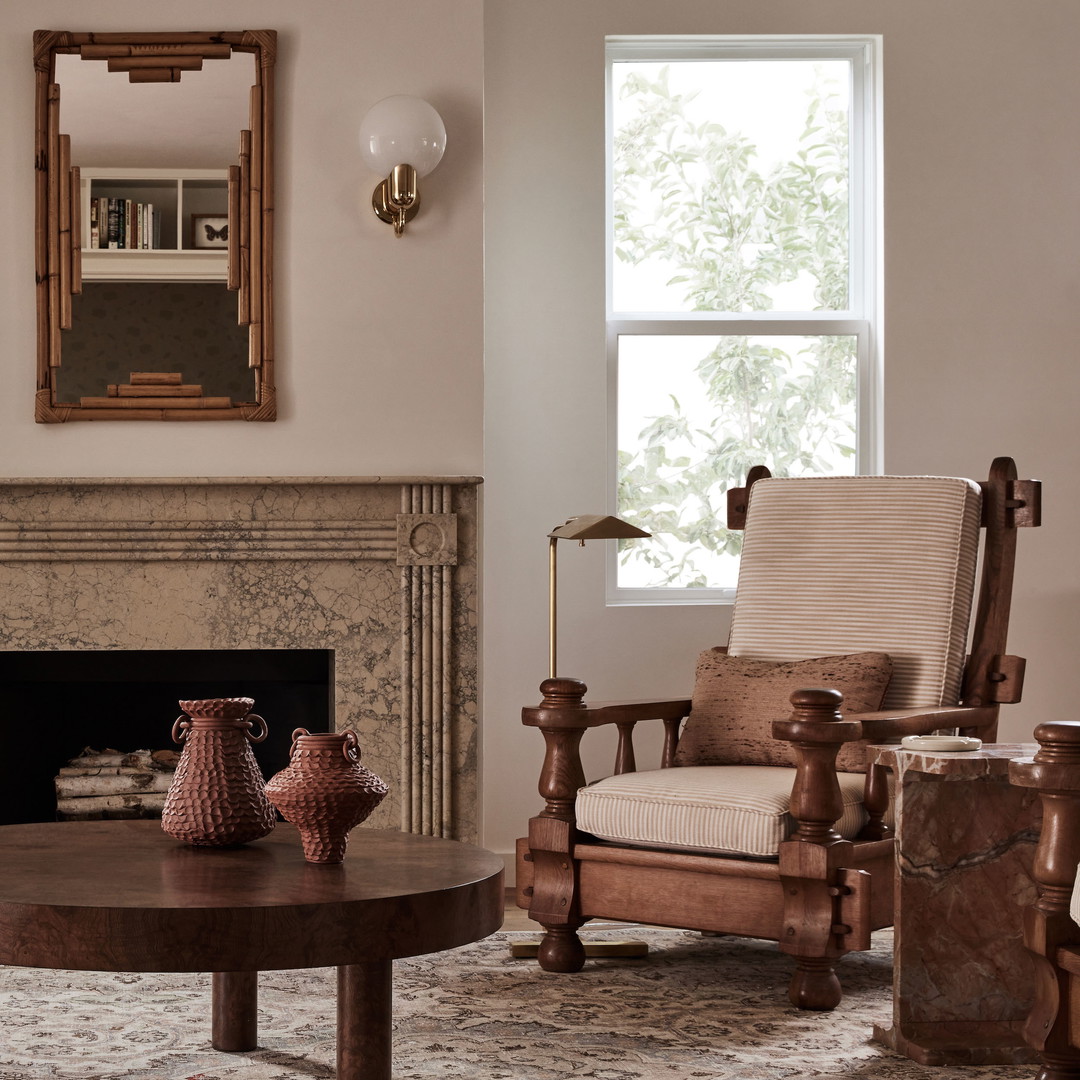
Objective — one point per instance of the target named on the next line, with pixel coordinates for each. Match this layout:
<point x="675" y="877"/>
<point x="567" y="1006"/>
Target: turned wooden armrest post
<point x="1048" y="927"/>
<point x="553" y="898"/>
<point x="809" y="861"/>
<point x="562" y="773"/>
<point x="816" y="731"/>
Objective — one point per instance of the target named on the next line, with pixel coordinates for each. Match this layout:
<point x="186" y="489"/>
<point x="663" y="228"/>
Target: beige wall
<point x="380" y="340"/>
<point x="981" y="230"/>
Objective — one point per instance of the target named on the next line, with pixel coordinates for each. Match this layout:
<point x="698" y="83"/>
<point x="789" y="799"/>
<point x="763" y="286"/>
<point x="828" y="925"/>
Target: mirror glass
<point x="154" y="226"/>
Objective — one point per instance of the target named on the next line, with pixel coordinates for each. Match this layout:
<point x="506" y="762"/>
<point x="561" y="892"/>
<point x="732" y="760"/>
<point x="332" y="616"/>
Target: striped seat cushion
<point x="862" y="563"/>
<point x="715" y="809"/>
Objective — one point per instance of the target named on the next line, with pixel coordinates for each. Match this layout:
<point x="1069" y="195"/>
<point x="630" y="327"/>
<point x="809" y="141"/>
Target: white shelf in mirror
<point x="177" y="195"/>
<point x="154" y="265"/>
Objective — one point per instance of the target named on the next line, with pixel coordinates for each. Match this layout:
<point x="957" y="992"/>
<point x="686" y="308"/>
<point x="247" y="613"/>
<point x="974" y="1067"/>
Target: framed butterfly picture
<point x="209" y="231"/>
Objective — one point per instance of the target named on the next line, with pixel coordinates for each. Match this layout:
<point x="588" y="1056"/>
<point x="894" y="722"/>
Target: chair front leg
<point x="811" y="859"/>
<point x="554" y="901"/>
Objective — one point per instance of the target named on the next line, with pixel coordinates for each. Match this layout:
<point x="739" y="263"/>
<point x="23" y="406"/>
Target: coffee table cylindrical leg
<point x="364" y="1021"/>
<point x="235" y="1010"/>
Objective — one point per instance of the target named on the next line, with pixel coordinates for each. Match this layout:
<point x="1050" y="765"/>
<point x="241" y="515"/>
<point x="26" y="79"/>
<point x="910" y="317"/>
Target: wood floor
<point x="517" y="918"/>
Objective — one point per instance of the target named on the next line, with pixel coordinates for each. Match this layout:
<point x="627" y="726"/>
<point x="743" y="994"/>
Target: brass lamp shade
<point x="581" y="528"/>
<point x="596" y="527"/>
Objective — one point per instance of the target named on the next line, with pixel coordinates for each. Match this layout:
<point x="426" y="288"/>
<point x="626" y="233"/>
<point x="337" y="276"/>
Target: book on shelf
<point x="114" y="223"/>
<point x="124" y="224"/>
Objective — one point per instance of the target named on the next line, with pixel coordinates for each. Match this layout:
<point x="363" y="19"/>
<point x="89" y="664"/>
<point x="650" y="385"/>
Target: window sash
<point x="860" y="321"/>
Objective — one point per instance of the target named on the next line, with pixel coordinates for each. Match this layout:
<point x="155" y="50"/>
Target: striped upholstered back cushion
<point x="862" y="563"/>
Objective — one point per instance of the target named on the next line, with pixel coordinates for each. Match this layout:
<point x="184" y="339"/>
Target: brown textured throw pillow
<point x="736" y="699"/>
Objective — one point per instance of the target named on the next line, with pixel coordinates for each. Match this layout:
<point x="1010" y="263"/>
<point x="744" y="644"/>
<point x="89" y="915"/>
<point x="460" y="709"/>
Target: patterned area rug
<point x="695" y="1009"/>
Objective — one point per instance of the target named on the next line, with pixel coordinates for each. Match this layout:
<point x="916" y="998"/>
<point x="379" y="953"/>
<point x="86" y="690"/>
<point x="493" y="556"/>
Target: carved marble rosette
<point x="218" y="797"/>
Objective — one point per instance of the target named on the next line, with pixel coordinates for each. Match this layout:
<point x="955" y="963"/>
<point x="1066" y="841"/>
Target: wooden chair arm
<point x="817" y="737"/>
<point x="892" y="724"/>
<point x="563" y="718"/>
<point x="889" y="725"/>
<point x="596" y="714"/>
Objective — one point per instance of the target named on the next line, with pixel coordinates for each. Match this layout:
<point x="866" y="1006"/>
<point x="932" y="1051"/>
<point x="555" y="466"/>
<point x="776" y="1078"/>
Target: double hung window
<point x="743" y="292"/>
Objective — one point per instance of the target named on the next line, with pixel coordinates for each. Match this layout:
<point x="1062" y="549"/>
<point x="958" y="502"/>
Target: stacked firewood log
<point x="102" y="784"/>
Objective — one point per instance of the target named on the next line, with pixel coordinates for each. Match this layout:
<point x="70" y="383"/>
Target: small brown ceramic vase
<point x="218" y="795"/>
<point x="325" y="792"/>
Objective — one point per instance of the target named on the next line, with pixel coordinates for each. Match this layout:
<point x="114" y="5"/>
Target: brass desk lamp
<point x="581" y="528"/>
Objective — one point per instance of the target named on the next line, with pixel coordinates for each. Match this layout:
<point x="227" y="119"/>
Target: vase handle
<point x="350" y="748"/>
<point x="181" y="727"/>
<point x="297" y="733"/>
<point x="262" y="728"/>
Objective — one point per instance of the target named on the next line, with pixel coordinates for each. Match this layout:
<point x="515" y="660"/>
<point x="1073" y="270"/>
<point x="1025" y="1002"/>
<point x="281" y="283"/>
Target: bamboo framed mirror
<point x="154" y="225"/>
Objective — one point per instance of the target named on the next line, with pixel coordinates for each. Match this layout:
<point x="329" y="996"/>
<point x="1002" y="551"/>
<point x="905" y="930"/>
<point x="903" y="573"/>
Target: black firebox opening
<point x="56" y="703"/>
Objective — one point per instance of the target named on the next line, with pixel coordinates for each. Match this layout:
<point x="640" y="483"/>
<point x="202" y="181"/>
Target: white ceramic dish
<point x="947" y="744"/>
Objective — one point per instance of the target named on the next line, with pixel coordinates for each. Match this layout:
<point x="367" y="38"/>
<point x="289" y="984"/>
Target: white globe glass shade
<point x="402" y="130"/>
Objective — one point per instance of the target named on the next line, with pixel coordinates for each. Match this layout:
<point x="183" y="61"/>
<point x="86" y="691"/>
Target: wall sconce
<point x="401" y="138"/>
<point x="581" y="528"/>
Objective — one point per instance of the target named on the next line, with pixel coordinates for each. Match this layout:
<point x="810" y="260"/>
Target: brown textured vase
<point x="325" y="792"/>
<point x="218" y="795"/>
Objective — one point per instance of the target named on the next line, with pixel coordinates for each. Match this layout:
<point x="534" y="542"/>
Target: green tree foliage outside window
<point x="693" y="199"/>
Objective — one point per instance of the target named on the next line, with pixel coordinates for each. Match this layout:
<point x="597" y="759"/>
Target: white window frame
<point x="862" y="320"/>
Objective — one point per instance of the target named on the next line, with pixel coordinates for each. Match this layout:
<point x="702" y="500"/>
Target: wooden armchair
<point x="830" y="566"/>
<point x="1051" y="930"/>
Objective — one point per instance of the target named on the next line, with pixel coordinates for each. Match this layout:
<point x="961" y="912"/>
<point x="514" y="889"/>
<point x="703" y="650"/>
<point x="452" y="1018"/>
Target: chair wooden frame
<point x="824" y="895"/>
<point x="1050" y="934"/>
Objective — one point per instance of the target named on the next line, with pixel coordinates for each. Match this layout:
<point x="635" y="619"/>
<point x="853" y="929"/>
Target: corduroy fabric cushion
<point x="719" y="809"/>
<point x="849" y="564"/>
<point x="736" y="699"/>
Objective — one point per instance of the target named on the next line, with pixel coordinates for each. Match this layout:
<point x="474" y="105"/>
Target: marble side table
<point x="962" y="979"/>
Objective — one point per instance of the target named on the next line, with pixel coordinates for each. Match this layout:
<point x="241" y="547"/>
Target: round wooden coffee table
<point x="124" y="896"/>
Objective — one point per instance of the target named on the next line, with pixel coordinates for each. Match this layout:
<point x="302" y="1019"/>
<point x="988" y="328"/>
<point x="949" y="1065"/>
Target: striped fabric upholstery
<point x="852" y="563"/>
<point x="829" y="566"/>
<point x="714" y="809"/>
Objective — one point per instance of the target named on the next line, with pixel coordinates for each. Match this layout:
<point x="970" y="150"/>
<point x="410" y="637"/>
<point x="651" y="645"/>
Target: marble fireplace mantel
<point x="380" y="569"/>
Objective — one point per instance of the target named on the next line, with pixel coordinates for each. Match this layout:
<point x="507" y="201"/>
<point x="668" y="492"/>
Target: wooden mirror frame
<point x="58" y="230"/>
